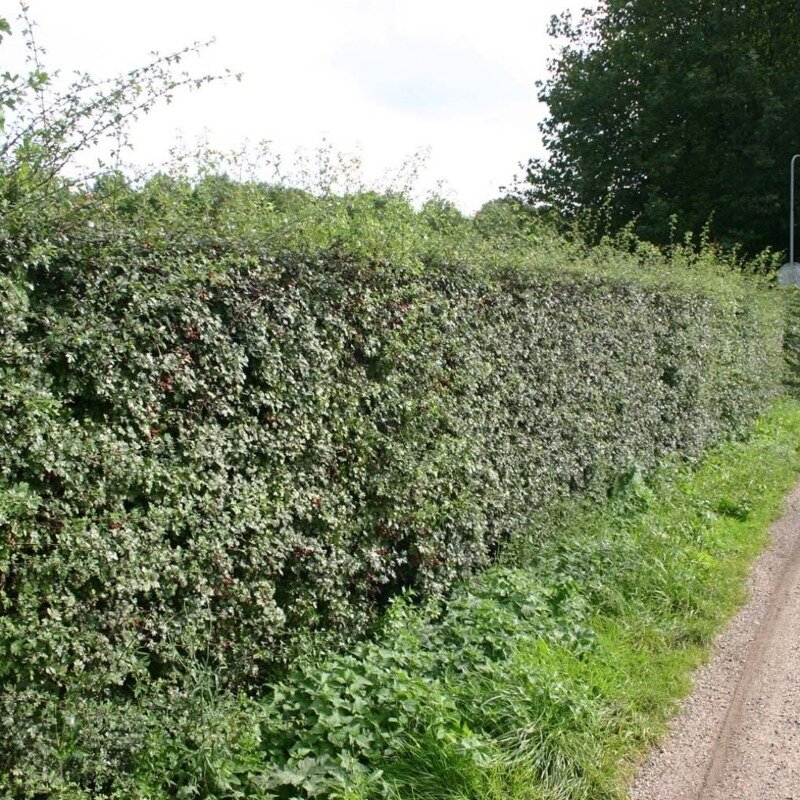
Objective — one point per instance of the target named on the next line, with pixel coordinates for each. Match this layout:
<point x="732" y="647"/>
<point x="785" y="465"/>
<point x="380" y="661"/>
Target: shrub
<point x="238" y="419"/>
<point x="792" y="340"/>
<point x="214" y="448"/>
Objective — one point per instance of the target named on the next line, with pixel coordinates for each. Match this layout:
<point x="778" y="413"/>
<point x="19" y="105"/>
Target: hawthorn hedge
<point x="210" y="452"/>
<point x="791" y="339"/>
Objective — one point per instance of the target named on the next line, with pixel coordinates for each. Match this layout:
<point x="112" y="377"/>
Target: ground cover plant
<point x="542" y="681"/>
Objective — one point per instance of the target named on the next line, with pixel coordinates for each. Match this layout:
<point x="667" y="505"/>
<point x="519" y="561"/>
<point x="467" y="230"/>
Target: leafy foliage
<point x="792" y="339"/>
<point x="662" y="108"/>
<point x="539" y="680"/>
<point x="217" y="452"/>
<point x="238" y="420"/>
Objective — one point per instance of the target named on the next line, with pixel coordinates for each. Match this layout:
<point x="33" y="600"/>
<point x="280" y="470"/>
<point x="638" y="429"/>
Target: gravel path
<point x="738" y="734"/>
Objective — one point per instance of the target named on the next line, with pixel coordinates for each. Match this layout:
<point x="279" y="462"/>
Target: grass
<point x="650" y="579"/>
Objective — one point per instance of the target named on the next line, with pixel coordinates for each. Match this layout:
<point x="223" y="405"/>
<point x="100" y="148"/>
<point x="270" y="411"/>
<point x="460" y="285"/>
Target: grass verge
<point x="548" y="676"/>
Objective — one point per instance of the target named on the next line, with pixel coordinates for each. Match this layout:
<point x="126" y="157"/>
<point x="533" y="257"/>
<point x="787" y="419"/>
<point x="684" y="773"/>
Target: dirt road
<point x="738" y="735"/>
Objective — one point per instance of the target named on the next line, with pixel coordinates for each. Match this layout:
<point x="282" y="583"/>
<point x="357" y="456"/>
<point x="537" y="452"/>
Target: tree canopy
<point x="675" y="114"/>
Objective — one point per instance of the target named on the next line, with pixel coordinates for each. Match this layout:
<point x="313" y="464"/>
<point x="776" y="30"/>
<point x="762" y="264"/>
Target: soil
<point x="737" y="736"/>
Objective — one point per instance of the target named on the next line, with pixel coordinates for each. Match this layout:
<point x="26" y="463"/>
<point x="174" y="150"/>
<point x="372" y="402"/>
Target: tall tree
<point x="674" y="107"/>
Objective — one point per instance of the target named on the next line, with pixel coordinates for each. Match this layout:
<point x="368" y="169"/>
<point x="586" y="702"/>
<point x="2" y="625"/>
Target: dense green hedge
<point x="211" y="449"/>
<point x="790" y="297"/>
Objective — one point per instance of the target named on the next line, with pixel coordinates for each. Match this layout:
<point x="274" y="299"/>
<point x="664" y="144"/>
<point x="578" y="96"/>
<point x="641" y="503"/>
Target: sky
<point x="392" y="82"/>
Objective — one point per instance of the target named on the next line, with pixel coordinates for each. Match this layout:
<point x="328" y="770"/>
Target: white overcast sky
<point x="383" y="78"/>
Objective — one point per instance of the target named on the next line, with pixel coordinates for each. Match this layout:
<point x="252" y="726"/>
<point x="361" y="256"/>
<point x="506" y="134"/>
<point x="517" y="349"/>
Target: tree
<point x="675" y="114"/>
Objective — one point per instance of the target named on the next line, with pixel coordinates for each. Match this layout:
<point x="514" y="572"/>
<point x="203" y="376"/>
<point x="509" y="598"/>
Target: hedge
<point x="213" y="452"/>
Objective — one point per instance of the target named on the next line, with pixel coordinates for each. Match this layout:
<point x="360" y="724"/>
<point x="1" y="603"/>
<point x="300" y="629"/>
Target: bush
<point x="239" y="419"/>
<point x="792" y="340"/>
<point x="215" y="448"/>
